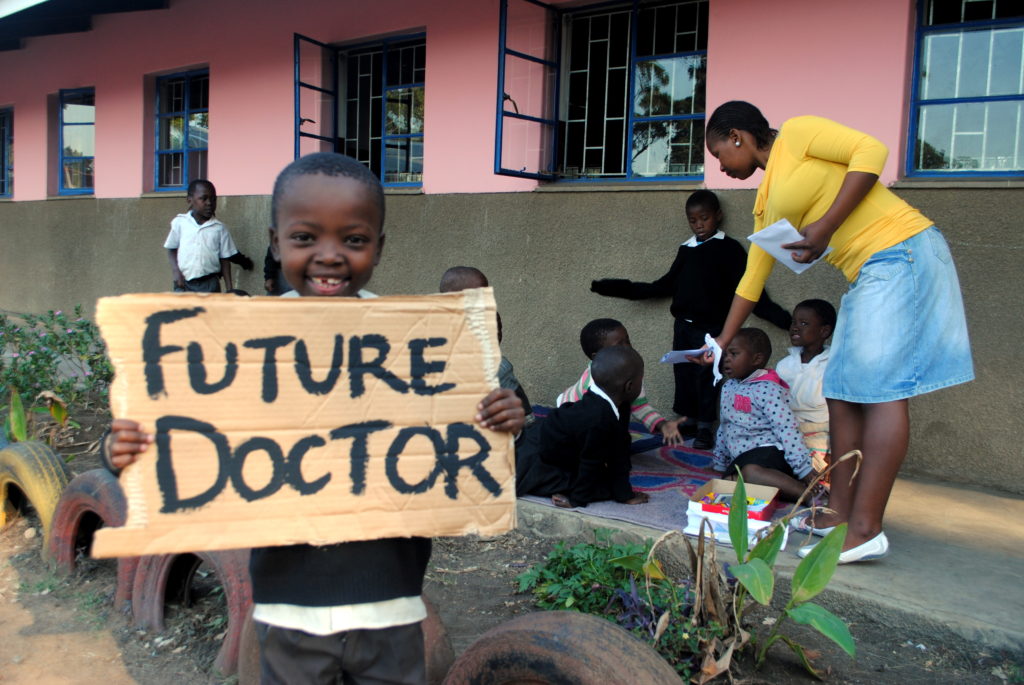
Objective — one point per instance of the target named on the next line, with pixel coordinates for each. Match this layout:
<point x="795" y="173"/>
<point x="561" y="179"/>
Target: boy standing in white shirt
<point x="198" y="246"/>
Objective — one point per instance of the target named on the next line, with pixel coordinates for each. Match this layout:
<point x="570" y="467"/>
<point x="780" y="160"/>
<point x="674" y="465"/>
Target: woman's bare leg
<point x="846" y="432"/>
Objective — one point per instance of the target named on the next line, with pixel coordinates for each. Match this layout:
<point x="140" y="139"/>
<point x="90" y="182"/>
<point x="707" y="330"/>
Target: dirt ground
<point x="62" y="630"/>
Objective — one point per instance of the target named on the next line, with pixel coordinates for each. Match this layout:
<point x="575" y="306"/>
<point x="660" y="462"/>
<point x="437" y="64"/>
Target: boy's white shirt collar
<point x="596" y="389"/>
<point x="692" y="242"/>
<point x="213" y="220"/>
<point x="820" y="358"/>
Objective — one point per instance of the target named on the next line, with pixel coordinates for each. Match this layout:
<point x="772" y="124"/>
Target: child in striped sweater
<point x="601" y="333"/>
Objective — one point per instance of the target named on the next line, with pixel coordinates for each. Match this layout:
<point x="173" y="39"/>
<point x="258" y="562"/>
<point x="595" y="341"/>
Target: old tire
<point x="437" y="649"/>
<point x="90" y="501"/>
<point x="559" y="647"/>
<point x="31" y="471"/>
<point x="163" y="575"/>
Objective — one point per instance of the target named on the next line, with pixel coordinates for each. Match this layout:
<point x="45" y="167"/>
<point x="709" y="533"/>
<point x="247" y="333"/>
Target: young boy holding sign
<point x="348" y="612"/>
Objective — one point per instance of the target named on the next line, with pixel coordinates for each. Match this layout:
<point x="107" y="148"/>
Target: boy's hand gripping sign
<point x="281" y="421"/>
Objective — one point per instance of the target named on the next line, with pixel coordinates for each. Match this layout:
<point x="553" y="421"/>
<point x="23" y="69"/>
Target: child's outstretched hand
<point x="125" y="443"/>
<point x="670" y="431"/>
<point x="638" y="498"/>
<point x="501" y="411"/>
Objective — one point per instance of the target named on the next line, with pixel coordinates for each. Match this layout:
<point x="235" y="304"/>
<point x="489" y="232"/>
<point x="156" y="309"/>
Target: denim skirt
<point x="901" y="329"/>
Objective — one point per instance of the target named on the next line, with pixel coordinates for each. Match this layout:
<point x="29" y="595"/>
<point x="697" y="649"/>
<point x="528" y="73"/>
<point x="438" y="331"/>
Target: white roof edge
<point x="9" y="7"/>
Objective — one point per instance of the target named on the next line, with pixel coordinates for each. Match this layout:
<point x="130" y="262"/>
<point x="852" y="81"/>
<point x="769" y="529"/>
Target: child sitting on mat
<point x="580" y="453"/>
<point x="803" y="371"/>
<point x="758" y="432"/>
<point x="601" y="333"/>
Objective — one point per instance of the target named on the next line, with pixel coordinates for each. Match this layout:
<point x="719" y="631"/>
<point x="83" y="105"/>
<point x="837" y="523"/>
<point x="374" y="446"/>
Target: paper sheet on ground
<point x="772" y="238"/>
<point x="320" y="420"/>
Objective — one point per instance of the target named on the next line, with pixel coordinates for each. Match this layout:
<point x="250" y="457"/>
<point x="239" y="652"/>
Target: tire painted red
<point x="437" y="648"/>
<point x="156" y="575"/>
<point x="90" y="501"/>
<point x="564" y="647"/>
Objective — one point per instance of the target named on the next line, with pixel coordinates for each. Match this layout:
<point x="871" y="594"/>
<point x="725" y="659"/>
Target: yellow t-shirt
<point x="808" y="162"/>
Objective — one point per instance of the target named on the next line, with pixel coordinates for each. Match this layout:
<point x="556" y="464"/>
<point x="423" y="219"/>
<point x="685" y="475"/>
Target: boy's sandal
<point x="802" y="524"/>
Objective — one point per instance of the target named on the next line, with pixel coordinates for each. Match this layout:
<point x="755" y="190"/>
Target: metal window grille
<point x="383" y="96"/>
<point x="77" y="141"/>
<point x="967" y="114"/>
<point x="6" y="152"/>
<point x="182" y="129"/>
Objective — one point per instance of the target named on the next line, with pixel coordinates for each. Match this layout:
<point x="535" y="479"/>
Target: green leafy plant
<point x="755" y="576"/>
<point x="16" y="425"/>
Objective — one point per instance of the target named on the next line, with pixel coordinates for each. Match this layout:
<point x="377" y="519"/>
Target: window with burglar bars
<point x="182" y="129"/>
<point x="6" y="152"/>
<point x="77" y="131"/>
<point x="382" y="115"/>
<point x="967" y="117"/>
<point x="365" y="101"/>
<point x="623" y="86"/>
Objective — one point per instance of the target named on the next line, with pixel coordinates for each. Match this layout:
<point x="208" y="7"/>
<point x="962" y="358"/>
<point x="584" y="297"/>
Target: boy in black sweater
<point x="347" y="612"/>
<point x="701" y="282"/>
<point x="580" y="453"/>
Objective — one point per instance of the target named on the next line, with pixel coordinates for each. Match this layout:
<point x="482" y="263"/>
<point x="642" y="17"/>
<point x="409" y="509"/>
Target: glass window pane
<point x="170" y="169"/>
<point x="529" y="87"/>
<point x="970" y="136"/>
<point x="198" y="129"/>
<point x="171" y="95"/>
<point x="77" y="174"/>
<point x="974" y="58"/>
<point x="197" y="165"/>
<point x="79" y="141"/>
<point x="939" y="71"/>
<point x="78" y="108"/>
<point x="1007" y="62"/>
<point x="669" y="86"/>
<point x="530" y="29"/>
<point x="526" y="146"/>
<point x="172" y="133"/>
<point x="404" y="113"/>
<point x="668" y="148"/>
<point x="199" y="92"/>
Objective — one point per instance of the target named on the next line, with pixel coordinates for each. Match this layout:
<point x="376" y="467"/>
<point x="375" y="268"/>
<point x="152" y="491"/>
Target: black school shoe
<point x="705" y="439"/>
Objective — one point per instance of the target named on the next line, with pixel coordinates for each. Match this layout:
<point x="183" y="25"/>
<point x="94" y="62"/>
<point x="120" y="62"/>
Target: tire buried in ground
<point x="92" y="500"/>
<point x="437" y="649"/>
<point x="163" y="576"/>
<point x="559" y="647"/>
<point x="30" y="473"/>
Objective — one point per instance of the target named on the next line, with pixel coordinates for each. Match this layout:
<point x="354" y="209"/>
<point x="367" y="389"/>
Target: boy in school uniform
<point x="347" y="612"/>
<point x="580" y="453"/>
<point x="462" y="278"/>
<point x="199" y="246"/>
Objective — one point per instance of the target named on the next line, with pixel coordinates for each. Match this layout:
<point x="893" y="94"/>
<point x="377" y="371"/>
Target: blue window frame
<point x="606" y="92"/>
<point x="6" y="152"/>
<point x="967" y="113"/>
<point x="77" y="141"/>
<point x="182" y="129"/>
<point x="366" y="101"/>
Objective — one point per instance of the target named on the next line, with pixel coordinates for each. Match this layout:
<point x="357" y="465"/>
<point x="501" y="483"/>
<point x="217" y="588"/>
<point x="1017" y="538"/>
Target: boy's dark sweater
<point x="342" y="574"/>
<point x="702" y="282"/>
<point x="581" y="450"/>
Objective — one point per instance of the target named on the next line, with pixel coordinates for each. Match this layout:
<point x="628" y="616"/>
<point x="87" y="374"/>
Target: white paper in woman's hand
<point x="772" y="238"/>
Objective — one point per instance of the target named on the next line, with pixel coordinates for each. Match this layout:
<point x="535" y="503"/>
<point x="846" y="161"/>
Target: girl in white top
<point x="803" y="370"/>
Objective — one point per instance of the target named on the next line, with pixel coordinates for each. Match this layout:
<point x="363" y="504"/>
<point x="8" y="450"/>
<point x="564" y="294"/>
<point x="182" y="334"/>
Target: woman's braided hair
<point x="741" y="116"/>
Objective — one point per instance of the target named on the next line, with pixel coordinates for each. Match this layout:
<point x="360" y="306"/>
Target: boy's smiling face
<point x="328" y="235"/>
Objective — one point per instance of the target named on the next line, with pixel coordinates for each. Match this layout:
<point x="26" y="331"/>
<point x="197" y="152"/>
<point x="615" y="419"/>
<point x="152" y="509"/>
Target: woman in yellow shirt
<point x="901" y="330"/>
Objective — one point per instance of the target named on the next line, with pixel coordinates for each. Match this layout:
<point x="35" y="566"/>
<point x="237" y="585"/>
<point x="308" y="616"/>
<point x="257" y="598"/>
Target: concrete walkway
<point x="956" y="558"/>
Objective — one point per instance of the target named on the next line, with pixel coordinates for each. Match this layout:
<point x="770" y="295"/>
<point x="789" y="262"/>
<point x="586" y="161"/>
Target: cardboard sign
<point x="288" y="420"/>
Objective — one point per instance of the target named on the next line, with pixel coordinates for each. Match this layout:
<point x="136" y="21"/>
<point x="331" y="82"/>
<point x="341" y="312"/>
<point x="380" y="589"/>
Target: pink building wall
<point x="848" y="61"/>
<point x="764" y="52"/>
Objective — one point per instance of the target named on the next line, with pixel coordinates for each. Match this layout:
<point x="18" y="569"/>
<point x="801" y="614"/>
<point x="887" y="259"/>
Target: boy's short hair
<point x="757" y="342"/>
<point x="593" y="334"/>
<point x="327" y="164"/>
<point x="703" y="198"/>
<point x="613" y="366"/>
<point x="825" y="311"/>
<point x="462" y="277"/>
<point x="195" y="183"/>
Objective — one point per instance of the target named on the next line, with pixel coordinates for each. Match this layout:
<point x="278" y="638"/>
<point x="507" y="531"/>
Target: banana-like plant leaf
<point x="757" y="578"/>
<point x="19" y="424"/>
<point x="768" y="547"/>
<point x="827" y="623"/>
<point x="738" y="518"/>
<point x="814" y="572"/>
